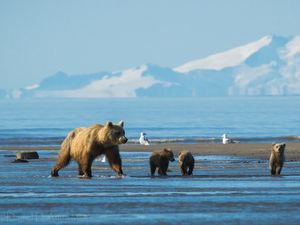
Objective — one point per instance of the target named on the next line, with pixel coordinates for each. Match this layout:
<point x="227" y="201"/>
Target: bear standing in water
<point x="186" y="162"/>
<point x="277" y="158"/>
<point x="86" y="144"/>
<point x="161" y="160"/>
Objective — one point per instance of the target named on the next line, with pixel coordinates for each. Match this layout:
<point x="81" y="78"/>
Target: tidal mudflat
<point x="225" y="189"/>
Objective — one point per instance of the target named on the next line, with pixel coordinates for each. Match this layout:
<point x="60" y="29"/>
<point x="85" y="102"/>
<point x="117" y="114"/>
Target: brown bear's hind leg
<point x="191" y="168"/>
<point x="80" y="172"/>
<point x="183" y="170"/>
<point x="152" y="169"/>
<point x="62" y="161"/>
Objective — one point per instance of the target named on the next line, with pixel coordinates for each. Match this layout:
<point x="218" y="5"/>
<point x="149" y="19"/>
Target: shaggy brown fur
<point x="277" y="158"/>
<point x="186" y="162"/>
<point x="160" y="160"/>
<point x="86" y="144"/>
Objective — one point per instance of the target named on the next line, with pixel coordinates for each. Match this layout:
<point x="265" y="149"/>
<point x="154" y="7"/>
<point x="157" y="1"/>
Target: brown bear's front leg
<point x="278" y="170"/>
<point x="163" y="167"/>
<point x="273" y="170"/>
<point x="160" y="171"/>
<point x="114" y="159"/>
<point x="86" y="171"/>
<point x="86" y="167"/>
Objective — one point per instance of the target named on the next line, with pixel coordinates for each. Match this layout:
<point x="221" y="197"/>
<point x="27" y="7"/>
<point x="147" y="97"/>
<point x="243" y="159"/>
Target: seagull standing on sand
<point x="226" y="140"/>
<point x="143" y="140"/>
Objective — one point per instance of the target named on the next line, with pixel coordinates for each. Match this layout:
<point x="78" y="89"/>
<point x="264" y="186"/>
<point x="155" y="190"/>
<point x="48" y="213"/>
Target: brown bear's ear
<point x="283" y="144"/>
<point x="109" y="124"/>
<point x="121" y="123"/>
<point x="273" y="144"/>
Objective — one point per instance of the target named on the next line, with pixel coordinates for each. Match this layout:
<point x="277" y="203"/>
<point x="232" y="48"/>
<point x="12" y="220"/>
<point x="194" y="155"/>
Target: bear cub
<point x="85" y="144"/>
<point x="186" y="162"/>
<point x="160" y="160"/>
<point x="277" y="158"/>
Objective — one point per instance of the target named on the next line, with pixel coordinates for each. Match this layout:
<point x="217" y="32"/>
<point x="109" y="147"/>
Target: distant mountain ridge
<point x="268" y="66"/>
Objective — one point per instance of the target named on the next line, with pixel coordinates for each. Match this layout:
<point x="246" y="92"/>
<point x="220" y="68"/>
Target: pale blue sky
<point x="39" y="38"/>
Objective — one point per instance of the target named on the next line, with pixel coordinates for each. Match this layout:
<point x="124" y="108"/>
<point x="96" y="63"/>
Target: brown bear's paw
<point x="121" y="175"/>
<point x="85" y="176"/>
<point x="54" y="173"/>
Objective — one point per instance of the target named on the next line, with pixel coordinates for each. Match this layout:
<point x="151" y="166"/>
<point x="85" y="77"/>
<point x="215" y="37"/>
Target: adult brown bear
<point x="86" y="144"/>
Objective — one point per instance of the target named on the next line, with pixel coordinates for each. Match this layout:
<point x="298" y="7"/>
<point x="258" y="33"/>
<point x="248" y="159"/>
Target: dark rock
<point x="27" y="155"/>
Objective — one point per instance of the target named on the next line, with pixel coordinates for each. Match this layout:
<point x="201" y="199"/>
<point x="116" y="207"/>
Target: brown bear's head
<point x="169" y="154"/>
<point x="278" y="147"/>
<point x="113" y="134"/>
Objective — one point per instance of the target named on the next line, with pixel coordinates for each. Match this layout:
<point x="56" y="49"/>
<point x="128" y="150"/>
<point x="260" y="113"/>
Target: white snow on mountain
<point x="230" y="58"/>
<point x="269" y="66"/>
<point x="291" y="71"/>
<point x="32" y="87"/>
<point x="119" y="85"/>
<point x="292" y="48"/>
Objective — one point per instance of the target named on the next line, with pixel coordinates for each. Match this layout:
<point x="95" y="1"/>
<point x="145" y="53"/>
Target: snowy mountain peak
<point x="292" y="47"/>
<point x="268" y="66"/>
<point x="230" y="58"/>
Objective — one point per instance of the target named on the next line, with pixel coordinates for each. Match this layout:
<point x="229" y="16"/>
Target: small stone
<point x="27" y="155"/>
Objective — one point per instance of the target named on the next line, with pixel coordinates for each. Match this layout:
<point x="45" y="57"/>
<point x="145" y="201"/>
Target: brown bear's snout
<point x="123" y="140"/>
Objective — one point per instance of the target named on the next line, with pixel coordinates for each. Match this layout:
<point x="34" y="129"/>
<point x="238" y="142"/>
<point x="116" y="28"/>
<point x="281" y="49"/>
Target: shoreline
<point x="254" y="150"/>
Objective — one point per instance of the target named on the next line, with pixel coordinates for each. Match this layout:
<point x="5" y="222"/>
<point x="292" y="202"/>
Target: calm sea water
<point x="47" y="121"/>
<point x="224" y="190"/>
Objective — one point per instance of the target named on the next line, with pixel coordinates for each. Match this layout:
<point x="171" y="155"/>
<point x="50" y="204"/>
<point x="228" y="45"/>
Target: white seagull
<point x="226" y="140"/>
<point x="102" y="158"/>
<point x="143" y="140"/>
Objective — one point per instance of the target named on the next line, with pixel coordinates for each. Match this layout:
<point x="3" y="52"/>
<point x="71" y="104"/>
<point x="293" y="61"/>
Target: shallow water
<point x="34" y="122"/>
<point x="223" y="190"/>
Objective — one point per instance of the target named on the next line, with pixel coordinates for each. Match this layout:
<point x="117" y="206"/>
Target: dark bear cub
<point x="277" y="158"/>
<point x="186" y="162"/>
<point x="160" y="160"/>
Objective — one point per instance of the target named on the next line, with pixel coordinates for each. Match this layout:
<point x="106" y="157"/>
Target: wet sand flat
<point x="228" y="187"/>
<point x="256" y="150"/>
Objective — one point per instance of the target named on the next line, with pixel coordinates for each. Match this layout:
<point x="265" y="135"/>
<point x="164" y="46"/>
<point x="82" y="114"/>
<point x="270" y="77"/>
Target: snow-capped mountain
<point x="230" y="58"/>
<point x="268" y="66"/>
